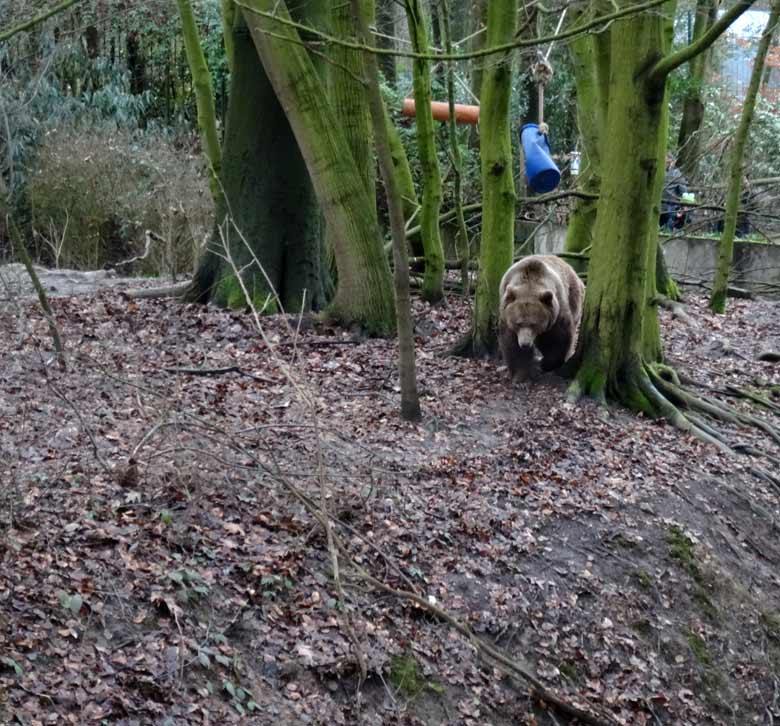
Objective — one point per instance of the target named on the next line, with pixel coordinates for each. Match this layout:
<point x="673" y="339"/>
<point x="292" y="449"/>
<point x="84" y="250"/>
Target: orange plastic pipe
<point x="441" y="111"/>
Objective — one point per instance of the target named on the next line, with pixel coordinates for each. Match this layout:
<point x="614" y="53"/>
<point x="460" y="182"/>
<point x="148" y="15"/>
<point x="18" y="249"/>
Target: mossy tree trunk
<point x="619" y="339"/>
<point x="433" y="278"/>
<point x="498" y="188"/>
<point x="477" y="18"/>
<point x="268" y="199"/>
<point x="590" y="60"/>
<point x="228" y="18"/>
<point x="385" y="25"/>
<point x="726" y="250"/>
<point x="204" y="95"/>
<point x="461" y="234"/>
<point x="347" y="92"/>
<point x="364" y="294"/>
<point x="403" y="171"/>
<point x="689" y="139"/>
<point x="616" y="302"/>
<point x="410" y="400"/>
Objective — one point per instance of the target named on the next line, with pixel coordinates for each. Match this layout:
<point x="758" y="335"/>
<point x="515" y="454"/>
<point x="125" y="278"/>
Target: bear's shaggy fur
<point x="540" y="308"/>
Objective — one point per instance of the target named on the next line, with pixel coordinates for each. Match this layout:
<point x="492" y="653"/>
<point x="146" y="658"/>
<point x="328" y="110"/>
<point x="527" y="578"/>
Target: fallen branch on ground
<point x="177" y="290"/>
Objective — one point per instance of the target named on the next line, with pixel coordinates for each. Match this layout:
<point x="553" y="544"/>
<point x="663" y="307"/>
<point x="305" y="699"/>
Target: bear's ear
<point x="546" y="297"/>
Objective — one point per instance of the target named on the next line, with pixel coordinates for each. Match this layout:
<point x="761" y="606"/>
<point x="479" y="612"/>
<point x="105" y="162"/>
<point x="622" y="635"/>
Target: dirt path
<point x="15" y="282"/>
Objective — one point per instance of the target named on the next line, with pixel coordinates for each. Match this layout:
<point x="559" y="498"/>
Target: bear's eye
<point x="546" y="297"/>
<point x="510" y="297"/>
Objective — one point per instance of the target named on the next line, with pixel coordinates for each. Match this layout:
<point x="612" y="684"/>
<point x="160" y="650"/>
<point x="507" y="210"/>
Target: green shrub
<point x="95" y="192"/>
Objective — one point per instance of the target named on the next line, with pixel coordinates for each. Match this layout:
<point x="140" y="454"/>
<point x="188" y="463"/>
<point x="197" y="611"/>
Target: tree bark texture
<point x="461" y="234"/>
<point x="364" y="293"/>
<point x="689" y="139"/>
<point x="498" y="189"/>
<point x="204" y="96"/>
<point x="268" y="198"/>
<point x="410" y="400"/>
<point x="620" y="288"/>
<point x="590" y="60"/>
<point x="228" y="18"/>
<point x="726" y="249"/>
<point x="433" y="279"/>
<point x="619" y="338"/>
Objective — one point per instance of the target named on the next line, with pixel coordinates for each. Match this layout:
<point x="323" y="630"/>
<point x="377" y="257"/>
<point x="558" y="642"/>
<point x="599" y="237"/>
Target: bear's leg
<point x="554" y="344"/>
<point x="519" y="361"/>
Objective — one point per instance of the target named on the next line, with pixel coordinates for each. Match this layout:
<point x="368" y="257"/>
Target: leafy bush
<point x="95" y="191"/>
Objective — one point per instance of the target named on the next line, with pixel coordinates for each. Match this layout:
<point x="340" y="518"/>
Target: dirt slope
<point x="155" y="569"/>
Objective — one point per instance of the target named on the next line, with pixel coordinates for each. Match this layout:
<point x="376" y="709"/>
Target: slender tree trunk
<point x="590" y="59"/>
<point x="410" y="401"/>
<point x="385" y="25"/>
<point x="476" y="30"/>
<point x="461" y="235"/>
<point x="135" y="63"/>
<point x="726" y="253"/>
<point x="403" y="174"/>
<point x="228" y="18"/>
<point x="433" y="279"/>
<point x="364" y="294"/>
<point x="204" y="96"/>
<point x="268" y="199"/>
<point x="689" y="139"/>
<point x="498" y="189"/>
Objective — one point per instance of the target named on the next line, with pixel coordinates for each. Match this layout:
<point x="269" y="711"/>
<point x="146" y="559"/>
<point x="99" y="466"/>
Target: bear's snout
<point x="525" y="338"/>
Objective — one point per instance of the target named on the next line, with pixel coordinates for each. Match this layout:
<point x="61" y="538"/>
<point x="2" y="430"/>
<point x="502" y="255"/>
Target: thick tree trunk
<point x="410" y="400"/>
<point x="498" y="189"/>
<point x="347" y="92"/>
<point x="619" y="338"/>
<point x="433" y="280"/>
<point x="268" y="199"/>
<point x="620" y="289"/>
<point x="364" y="294"/>
<point x="726" y="252"/>
<point x="688" y="141"/>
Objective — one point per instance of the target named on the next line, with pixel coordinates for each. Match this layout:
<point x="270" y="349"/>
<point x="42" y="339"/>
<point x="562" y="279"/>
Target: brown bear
<point x="540" y="306"/>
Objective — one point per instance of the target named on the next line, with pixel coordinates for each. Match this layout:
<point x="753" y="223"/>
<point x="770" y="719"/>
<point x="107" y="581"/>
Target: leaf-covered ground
<point x="156" y="569"/>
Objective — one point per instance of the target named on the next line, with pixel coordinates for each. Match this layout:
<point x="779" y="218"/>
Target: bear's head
<point x="528" y="310"/>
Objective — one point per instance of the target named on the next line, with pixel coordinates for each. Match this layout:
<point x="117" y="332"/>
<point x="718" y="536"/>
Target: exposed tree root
<point x="469" y="347"/>
<point x="750" y="396"/>
<point x="657" y="390"/>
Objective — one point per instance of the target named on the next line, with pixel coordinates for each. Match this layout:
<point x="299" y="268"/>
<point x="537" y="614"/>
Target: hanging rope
<point x="542" y="73"/>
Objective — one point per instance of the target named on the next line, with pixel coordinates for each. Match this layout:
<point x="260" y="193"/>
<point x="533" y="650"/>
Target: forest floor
<point x="156" y="566"/>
